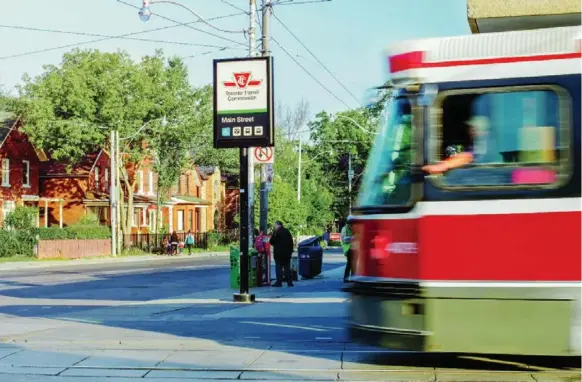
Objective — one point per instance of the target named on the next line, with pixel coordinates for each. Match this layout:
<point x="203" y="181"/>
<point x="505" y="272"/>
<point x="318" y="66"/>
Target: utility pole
<point x="251" y="165"/>
<point x="113" y="195"/>
<point x="350" y="177"/>
<point x="299" y="173"/>
<point x="264" y="193"/>
<point x="119" y="194"/>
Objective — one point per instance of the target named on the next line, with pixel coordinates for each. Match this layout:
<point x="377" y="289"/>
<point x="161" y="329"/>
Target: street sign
<point x="270" y="174"/>
<point x="264" y="155"/>
<point x="243" y="103"/>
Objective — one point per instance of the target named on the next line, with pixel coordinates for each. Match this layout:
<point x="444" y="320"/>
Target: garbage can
<point x="235" y="268"/>
<point x="310" y="256"/>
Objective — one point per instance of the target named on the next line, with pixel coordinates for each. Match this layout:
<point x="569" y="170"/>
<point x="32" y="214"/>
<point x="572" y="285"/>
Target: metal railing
<point x="157" y="243"/>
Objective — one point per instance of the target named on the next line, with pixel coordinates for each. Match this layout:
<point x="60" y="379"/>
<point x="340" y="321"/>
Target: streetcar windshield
<point x="387" y="180"/>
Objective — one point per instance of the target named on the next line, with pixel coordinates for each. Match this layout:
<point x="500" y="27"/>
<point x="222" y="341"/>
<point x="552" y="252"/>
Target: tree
<point x="70" y="109"/>
<point x="203" y="152"/>
<point x="349" y="133"/>
<point x="313" y="212"/>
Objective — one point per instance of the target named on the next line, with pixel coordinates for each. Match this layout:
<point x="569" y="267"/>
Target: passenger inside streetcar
<point x="456" y="156"/>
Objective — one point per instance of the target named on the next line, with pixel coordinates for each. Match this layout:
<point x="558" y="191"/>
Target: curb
<point x="110" y="260"/>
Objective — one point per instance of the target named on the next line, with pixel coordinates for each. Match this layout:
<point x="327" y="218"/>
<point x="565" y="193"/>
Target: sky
<point x="348" y="36"/>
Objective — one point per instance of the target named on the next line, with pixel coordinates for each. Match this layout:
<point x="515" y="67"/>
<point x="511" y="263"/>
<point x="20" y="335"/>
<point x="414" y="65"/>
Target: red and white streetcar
<point x="467" y="228"/>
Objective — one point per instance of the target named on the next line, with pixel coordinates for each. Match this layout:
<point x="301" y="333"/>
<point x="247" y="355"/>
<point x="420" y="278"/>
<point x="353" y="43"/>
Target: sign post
<point x="243" y="118"/>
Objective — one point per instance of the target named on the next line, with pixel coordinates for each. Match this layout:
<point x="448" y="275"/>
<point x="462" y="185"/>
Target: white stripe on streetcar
<point x="483" y="207"/>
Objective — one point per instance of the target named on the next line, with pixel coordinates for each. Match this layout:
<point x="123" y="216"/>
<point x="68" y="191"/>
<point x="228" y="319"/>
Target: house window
<point x="150" y="182"/>
<point x="178" y="185"/>
<point x="106" y="179"/>
<point x="140" y="182"/>
<point x="6" y="172"/>
<point x="187" y="184"/>
<point x="181" y="220"/>
<point x="216" y="190"/>
<point x="8" y="206"/>
<point x="25" y="173"/>
<point x="197" y="191"/>
<point x="96" y="178"/>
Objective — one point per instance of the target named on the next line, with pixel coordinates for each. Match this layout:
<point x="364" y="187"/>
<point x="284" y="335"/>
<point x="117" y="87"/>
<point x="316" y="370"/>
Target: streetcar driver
<point x="456" y="156"/>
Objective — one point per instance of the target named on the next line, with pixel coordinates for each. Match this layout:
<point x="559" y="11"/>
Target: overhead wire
<point x="234" y="6"/>
<point x="125" y="35"/>
<point x="75" y="33"/>
<point x="309" y="73"/>
<point x="188" y="24"/>
<point x="291" y="2"/>
<point x="317" y="59"/>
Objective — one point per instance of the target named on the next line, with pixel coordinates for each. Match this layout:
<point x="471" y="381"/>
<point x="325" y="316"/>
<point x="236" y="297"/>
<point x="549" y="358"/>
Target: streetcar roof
<point x="487" y="56"/>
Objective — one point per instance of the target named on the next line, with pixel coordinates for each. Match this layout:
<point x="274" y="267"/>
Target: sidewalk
<point x="37" y="264"/>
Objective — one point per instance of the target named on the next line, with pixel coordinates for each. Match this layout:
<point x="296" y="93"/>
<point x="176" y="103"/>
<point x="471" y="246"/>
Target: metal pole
<point x="251" y="161"/>
<point x="350" y="176"/>
<point x="244" y="295"/>
<point x="264" y="219"/>
<point x="299" y="173"/>
<point x="112" y="195"/>
<point x="246" y="187"/>
<point x="119" y="193"/>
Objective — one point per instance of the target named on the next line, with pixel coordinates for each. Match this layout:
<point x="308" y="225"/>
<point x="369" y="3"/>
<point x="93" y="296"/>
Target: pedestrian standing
<point x="325" y="238"/>
<point x="189" y="241"/>
<point x="174" y="243"/>
<point x="346" y="238"/>
<point x="282" y="241"/>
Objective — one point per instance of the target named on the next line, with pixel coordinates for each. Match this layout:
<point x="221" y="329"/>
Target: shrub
<point x="17" y="243"/>
<point x="22" y="218"/>
<point x="77" y="231"/>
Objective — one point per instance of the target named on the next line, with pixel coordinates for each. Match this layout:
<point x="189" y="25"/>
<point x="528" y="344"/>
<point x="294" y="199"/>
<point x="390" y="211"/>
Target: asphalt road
<point x="153" y="318"/>
<point x="75" y="292"/>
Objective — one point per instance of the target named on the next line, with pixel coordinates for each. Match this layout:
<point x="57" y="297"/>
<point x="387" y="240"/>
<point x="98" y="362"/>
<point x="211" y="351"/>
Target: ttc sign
<point x="243" y="103"/>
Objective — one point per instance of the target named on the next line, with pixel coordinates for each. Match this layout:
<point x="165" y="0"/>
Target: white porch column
<point x="46" y="213"/>
<point x="60" y="214"/>
<point x="143" y="217"/>
<point x="170" y="219"/>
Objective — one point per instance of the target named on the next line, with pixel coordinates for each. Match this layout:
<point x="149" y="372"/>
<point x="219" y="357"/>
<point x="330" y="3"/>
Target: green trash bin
<point x="235" y="267"/>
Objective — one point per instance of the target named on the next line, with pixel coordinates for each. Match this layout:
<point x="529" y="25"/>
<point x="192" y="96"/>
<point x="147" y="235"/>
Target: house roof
<point x="206" y="171"/>
<point x="7" y="123"/>
<point x="190" y="200"/>
<point x="82" y="168"/>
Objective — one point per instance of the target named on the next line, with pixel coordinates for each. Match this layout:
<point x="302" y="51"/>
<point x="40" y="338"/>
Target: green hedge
<point x="22" y="242"/>
<point x="75" y="232"/>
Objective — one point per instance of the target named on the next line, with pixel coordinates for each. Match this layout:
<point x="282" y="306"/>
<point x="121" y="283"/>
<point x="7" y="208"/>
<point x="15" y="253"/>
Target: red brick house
<point x="83" y="188"/>
<point x="231" y="201"/>
<point x="20" y="166"/>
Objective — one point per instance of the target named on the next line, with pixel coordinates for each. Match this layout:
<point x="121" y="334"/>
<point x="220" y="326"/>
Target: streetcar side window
<point x="510" y="138"/>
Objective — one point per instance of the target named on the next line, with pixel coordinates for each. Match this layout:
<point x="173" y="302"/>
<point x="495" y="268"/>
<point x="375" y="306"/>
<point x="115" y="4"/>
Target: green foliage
<point x="76" y="231"/>
<point x="328" y="133"/>
<point x="17" y="243"/>
<point x="22" y="218"/>
<point x="312" y="213"/>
